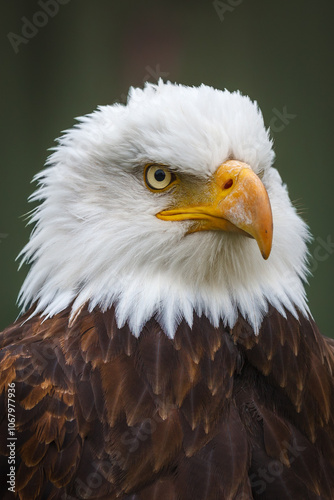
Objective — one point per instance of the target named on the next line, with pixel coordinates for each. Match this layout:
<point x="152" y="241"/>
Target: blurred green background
<point x="89" y="53"/>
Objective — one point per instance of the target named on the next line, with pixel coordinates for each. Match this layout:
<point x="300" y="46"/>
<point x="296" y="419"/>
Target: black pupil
<point x="159" y="175"/>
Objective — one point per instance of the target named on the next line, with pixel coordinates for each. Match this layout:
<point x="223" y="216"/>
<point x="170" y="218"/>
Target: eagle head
<point x="166" y="206"/>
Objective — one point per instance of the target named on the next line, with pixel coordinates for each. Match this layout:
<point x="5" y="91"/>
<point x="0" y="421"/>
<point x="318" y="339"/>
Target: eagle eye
<point x="158" y="177"/>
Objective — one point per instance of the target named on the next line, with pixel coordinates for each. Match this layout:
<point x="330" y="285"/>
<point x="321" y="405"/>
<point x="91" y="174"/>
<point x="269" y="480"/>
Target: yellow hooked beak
<point x="234" y="200"/>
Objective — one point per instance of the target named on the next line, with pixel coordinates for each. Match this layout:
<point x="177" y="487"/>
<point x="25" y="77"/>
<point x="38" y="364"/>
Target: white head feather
<point x="97" y="240"/>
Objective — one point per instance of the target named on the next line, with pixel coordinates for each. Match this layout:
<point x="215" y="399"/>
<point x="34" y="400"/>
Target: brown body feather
<point x="213" y="414"/>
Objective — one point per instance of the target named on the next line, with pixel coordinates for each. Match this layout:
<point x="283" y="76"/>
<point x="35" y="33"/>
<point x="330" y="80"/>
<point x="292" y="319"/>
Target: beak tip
<point x="264" y="239"/>
<point x="265" y="249"/>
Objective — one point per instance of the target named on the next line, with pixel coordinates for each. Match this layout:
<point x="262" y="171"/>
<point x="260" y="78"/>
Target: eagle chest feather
<point x="213" y="413"/>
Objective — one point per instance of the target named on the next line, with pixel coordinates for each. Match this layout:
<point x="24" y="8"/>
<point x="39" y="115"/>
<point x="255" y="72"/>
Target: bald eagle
<point x="167" y="350"/>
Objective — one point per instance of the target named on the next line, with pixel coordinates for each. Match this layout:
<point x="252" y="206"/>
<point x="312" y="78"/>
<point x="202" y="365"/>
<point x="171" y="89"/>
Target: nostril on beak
<point x="228" y="184"/>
